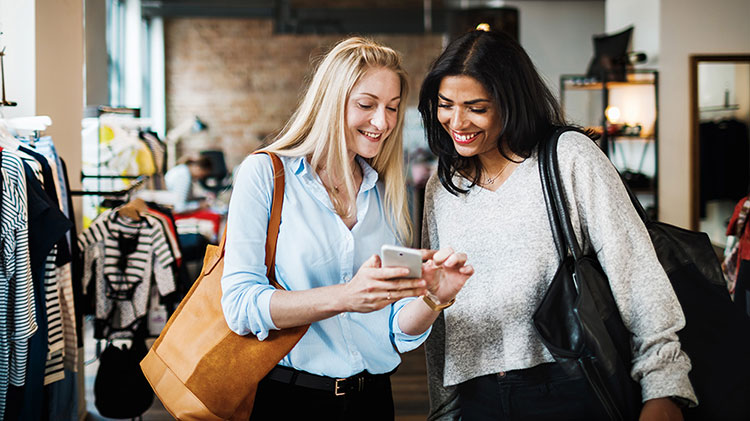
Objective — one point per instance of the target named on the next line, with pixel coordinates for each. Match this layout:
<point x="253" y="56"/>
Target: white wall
<point x="689" y="27"/>
<point x="19" y="38"/>
<point x="557" y="35"/>
<point x="643" y="15"/>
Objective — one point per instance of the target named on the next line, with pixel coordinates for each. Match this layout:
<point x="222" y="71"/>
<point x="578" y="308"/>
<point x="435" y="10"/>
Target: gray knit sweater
<point x="507" y="237"/>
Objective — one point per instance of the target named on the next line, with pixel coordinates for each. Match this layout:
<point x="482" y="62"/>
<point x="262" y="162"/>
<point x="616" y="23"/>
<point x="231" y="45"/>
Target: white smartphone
<point x="402" y="257"/>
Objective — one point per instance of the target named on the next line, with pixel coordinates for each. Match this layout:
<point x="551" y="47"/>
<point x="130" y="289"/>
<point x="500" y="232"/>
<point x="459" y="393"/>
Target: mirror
<point x="720" y="102"/>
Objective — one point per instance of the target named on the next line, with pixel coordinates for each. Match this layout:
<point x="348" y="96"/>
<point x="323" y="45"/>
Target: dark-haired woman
<point x="486" y="109"/>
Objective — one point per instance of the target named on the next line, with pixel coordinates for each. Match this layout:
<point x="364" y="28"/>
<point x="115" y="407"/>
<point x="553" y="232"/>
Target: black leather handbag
<point x="578" y="320"/>
<point x="580" y="324"/>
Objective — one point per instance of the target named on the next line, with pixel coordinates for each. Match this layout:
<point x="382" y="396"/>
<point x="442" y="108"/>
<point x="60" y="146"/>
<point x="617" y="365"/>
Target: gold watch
<point x="437" y="307"/>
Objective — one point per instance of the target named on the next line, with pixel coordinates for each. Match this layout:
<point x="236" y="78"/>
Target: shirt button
<point x="347" y="278"/>
<point x="501" y="374"/>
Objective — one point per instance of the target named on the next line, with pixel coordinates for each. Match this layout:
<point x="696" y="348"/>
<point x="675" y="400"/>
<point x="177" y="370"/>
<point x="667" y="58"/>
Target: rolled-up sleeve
<point x="402" y="341"/>
<point x="246" y="291"/>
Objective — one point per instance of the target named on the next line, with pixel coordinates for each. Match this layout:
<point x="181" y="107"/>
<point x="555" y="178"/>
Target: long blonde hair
<point x="318" y="127"/>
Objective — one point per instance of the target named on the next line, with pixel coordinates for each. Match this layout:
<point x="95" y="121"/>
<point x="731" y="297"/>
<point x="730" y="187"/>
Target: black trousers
<point x="280" y="401"/>
<point x="544" y="392"/>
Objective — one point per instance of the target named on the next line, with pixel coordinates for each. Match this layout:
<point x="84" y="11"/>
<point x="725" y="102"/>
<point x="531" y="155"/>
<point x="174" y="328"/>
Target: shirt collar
<point x="299" y="165"/>
<point x="369" y="176"/>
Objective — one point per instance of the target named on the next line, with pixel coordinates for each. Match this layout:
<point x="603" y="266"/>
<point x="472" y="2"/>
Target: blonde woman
<point x="344" y="198"/>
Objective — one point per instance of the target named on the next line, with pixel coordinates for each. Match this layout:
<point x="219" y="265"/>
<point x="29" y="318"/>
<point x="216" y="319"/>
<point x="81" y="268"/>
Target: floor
<point x="409" y="386"/>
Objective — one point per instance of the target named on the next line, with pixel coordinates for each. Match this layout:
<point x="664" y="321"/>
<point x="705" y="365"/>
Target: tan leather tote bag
<point x="201" y="370"/>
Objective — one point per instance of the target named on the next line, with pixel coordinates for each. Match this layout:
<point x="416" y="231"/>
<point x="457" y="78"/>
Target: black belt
<point x="339" y="387"/>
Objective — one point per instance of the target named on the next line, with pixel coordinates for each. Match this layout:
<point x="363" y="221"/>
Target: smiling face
<point x="469" y="115"/>
<point x="372" y="111"/>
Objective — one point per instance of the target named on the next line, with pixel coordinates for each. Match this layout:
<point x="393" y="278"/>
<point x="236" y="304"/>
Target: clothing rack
<point x="115" y="177"/>
<point x="105" y="109"/>
<point x="139" y="180"/>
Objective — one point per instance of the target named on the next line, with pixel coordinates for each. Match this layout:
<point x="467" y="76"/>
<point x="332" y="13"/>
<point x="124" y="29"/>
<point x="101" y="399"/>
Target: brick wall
<point x="244" y="81"/>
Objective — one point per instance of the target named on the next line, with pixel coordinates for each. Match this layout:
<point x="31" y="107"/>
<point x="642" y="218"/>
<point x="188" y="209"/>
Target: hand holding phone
<point x="396" y="256"/>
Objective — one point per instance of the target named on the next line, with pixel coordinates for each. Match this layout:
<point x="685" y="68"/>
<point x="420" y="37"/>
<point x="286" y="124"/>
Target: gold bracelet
<point x="435" y="306"/>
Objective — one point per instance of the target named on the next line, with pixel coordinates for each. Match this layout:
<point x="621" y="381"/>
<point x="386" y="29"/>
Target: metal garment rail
<point x="139" y="180"/>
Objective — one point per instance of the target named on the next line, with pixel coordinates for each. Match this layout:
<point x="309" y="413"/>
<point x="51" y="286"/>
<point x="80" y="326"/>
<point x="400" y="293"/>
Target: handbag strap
<point x="272" y="235"/>
<point x="554" y="220"/>
<point x="274" y="221"/>
<point x="554" y="196"/>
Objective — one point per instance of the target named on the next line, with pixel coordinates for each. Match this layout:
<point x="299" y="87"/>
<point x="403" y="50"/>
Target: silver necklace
<point x="491" y="180"/>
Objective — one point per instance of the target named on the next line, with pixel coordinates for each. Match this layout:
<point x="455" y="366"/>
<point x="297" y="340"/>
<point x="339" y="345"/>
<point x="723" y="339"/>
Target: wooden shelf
<point x="598" y="130"/>
<point x="597" y="86"/>
<point x="634" y="77"/>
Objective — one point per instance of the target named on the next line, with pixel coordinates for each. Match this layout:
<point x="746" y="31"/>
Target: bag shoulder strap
<point x="544" y="174"/>
<point x="274" y="221"/>
<point x="554" y="195"/>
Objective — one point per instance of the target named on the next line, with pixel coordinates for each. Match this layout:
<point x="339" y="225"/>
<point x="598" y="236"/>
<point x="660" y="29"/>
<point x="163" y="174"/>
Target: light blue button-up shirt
<point x="315" y="249"/>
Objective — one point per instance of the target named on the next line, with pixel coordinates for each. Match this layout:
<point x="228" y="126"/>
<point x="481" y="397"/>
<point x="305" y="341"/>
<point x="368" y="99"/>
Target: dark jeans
<point x="544" y="392"/>
<point x="280" y="401"/>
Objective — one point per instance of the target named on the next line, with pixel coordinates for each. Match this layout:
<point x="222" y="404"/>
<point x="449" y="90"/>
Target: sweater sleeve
<point x="605" y="219"/>
<point x="443" y="399"/>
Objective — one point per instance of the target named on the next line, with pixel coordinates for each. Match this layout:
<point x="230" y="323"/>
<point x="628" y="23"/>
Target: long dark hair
<point x="528" y="110"/>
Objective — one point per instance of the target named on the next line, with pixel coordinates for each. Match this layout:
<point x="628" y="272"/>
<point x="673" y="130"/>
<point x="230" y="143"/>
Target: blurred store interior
<point x="128" y="90"/>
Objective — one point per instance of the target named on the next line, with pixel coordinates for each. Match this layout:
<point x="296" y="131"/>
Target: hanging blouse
<point x="128" y="252"/>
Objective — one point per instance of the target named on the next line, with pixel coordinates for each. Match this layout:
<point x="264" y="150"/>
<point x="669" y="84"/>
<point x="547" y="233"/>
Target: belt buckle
<point x="336" y="390"/>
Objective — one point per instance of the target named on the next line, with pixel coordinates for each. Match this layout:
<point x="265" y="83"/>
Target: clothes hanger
<point x="131" y="210"/>
<point x="134" y="209"/>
